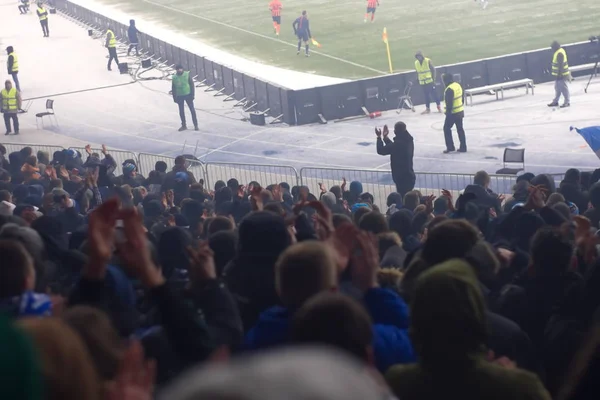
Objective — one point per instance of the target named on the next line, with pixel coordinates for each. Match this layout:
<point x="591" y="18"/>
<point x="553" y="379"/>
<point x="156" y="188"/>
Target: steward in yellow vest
<point x="561" y="74"/>
<point x="12" y="66"/>
<point x="111" y="45"/>
<point x="183" y="90"/>
<point x="42" y="14"/>
<point x="426" y="77"/>
<point x="10" y="105"/>
<point x="454" y="102"/>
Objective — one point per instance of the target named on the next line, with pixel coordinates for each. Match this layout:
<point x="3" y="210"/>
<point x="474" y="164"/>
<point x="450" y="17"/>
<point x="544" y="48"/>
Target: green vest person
<point x="10" y="106"/>
<point x="42" y="14"/>
<point x="561" y="74"/>
<point x="455" y="112"/>
<point x="426" y="76"/>
<point x="111" y="45"/>
<point x="12" y="66"/>
<point x="183" y="90"/>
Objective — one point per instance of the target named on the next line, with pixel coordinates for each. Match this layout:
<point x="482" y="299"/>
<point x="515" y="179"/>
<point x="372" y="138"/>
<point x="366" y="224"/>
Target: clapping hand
<point x="386" y="131"/>
<point x="202" y="264"/>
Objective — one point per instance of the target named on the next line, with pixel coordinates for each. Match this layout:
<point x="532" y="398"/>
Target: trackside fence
<point x="377" y="182"/>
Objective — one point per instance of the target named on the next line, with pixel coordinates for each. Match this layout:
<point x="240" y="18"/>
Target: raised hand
<point x="101" y="235"/>
<point x="256" y="198"/>
<point x="202" y="264"/>
<point x="135" y="252"/>
<point x="277" y="194"/>
<point x="429" y="203"/>
<point x="446" y="193"/>
<point x="386" y="131"/>
<point x="365" y="262"/>
<point x="135" y="378"/>
<point x="378" y="132"/>
<point x="537" y="198"/>
<point x="88" y="149"/>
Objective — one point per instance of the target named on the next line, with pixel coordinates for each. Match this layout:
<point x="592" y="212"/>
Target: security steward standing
<point x="560" y="72"/>
<point x="183" y="90"/>
<point x="426" y="75"/>
<point x="12" y="65"/>
<point x="42" y="14"/>
<point x="10" y="106"/>
<point x="111" y="45"/>
<point x="455" y="112"/>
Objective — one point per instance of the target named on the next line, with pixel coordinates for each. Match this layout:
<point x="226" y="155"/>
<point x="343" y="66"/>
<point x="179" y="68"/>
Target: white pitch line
<point x="325" y="142"/>
<point x="261" y="35"/>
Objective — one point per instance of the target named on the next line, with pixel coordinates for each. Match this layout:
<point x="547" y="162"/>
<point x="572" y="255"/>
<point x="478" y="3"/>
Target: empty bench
<point x="585" y="67"/>
<point x="499" y="88"/>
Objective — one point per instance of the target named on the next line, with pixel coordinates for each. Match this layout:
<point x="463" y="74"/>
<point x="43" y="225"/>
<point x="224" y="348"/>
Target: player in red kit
<point x="275" y="6"/>
<point x="371" y="8"/>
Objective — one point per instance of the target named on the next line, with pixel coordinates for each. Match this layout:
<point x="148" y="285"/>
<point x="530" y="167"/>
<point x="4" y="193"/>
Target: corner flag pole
<point x="387" y="46"/>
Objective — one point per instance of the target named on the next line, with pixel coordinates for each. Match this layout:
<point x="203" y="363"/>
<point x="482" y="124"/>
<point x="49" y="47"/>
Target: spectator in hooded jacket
<point x="130" y="175"/>
<point x="307" y="269"/>
<point x="401" y="152"/>
<point x="571" y="189"/>
<point x="448" y="328"/>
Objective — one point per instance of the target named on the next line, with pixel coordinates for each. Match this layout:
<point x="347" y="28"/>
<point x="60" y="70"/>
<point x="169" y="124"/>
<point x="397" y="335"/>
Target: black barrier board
<point x="208" y="71"/>
<point x="539" y="65"/>
<point x="162" y="51"/>
<point x="200" y="68"/>
<point x="249" y="89"/>
<point x="471" y="75"/>
<point x="238" y="85"/>
<point x="287" y="106"/>
<point x="155" y="47"/>
<point x="262" y="97"/>
<point x="218" y="76"/>
<point x="184" y="59"/>
<point x="307" y="106"/>
<point x="274" y="96"/>
<point x="509" y="68"/>
<point x="169" y="54"/>
<point x="228" y="80"/>
<point x="341" y="101"/>
<point x="192" y="65"/>
<point x="373" y="93"/>
<point x="396" y="86"/>
<point x="175" y="54"/>
<point x="582" y="53"/>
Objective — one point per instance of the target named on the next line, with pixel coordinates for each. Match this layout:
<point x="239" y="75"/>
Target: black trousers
<point x="404" y="184"/>
<point x="131" y="47"/>
<point x="449" y="122"/>
<point x="45" y="29"/>
<point x="112" y="55"/>
<point x="7" y="118"/>
<point x="190" y="102"/>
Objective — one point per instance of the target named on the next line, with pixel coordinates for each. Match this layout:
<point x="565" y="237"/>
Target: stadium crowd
<point x="118" y="286"/>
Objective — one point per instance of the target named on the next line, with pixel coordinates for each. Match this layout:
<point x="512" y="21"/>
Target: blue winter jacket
<point x="388" y="311"/>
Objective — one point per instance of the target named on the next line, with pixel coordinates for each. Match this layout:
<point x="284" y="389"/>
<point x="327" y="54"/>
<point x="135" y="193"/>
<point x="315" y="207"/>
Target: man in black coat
<point x="401" y="152"/>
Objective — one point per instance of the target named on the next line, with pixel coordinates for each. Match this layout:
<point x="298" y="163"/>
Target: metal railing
<point x="245" y="173"/>
<point x="118" y="155"/>
<point x="12" y="147"/>
<point x="377" y="182"/>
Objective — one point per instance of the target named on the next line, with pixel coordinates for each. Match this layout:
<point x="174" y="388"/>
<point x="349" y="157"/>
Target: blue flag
<point x="591" y="136"/>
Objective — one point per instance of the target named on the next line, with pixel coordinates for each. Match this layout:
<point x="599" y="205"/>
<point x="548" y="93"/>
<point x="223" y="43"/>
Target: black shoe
<point x="16" y="132"/>
<point x="196" y="128"/>
<point x="7" y="133"/>
<point x="553" y="104"/>
<point x="566" y="105"/>
<point x="448" y="151"/>
<point x="109" y="69"/>
<point x="461" y="150"/>
<point x="183" y="128"/>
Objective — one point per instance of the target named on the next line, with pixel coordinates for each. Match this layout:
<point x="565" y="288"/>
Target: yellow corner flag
<point x="387" y="46"/>
<point x="314" y="42"/>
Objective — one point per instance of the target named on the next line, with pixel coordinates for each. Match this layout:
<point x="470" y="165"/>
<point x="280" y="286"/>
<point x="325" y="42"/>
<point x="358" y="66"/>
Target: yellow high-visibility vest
<point x="457" y="104"/>
<point x="42" y="13"/>
<point x="9" y="100"/>
<point x="15" y="66"/>
<point x="112" y="41"/>
<point x="555" y="64"/>
<point x="424" y="72"/>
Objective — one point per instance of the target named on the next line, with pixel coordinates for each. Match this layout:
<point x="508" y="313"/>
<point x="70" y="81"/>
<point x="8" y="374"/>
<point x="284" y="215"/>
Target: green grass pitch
<point x="447" y="31"/>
